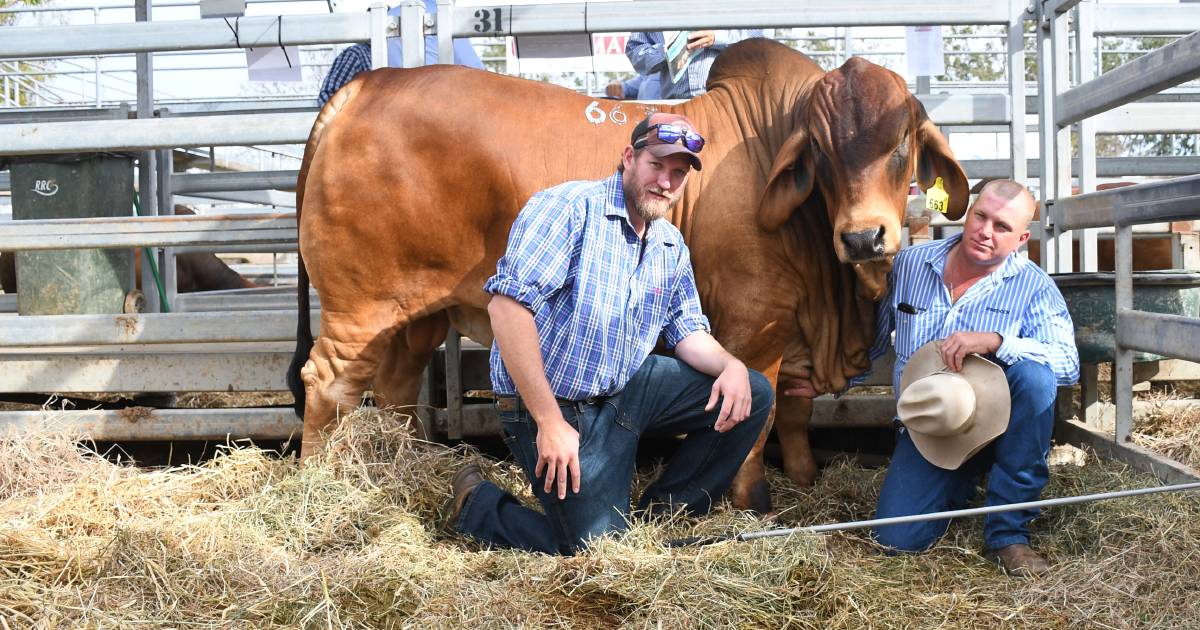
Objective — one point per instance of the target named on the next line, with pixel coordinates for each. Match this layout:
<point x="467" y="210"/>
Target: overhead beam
<point x="184" y="183"/>
<point x="1170" y="200"/>
<point x="1146" y="19"/>
<point x="609" y="17"/>
<point x="244" y="32"/>
<point x="160" y="231"/>
<point x="148" y="328"/>
<point x="1153" y="72"/>
<point x="156" y="133"/>
<point x="147" y="424"/>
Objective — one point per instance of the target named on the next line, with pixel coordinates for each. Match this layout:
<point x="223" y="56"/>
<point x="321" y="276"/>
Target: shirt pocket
<point x="916" y="324"/>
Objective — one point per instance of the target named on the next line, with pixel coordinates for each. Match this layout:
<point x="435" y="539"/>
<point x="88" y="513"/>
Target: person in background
<point x="648" y="53"/>
<point x="357" y="58"/>
<point x="641" y="87"/>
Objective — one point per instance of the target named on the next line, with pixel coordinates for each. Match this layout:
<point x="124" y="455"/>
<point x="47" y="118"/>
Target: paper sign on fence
<point x="269" y="63"/>
<point x="926" y="57"/>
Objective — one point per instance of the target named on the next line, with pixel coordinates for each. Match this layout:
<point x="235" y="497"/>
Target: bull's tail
<point x="304" y="338"/>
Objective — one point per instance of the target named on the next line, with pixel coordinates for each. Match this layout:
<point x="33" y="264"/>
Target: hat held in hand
<point x="951" y="415"/>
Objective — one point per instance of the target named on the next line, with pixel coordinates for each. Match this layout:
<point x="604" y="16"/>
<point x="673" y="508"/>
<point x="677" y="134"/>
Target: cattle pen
<point x="242" y="340"/>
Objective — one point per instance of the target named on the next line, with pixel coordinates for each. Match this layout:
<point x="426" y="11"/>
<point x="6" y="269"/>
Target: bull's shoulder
<point x="570" y="202"/>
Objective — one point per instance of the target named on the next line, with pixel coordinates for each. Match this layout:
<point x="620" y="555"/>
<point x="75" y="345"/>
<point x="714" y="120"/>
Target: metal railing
<point x="1172" y="200"/>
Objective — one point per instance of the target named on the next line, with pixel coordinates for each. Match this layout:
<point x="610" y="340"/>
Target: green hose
<point x="150" y="259"/>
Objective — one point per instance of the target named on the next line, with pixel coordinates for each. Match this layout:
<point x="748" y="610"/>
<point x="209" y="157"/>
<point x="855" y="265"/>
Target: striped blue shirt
<point x="1018" y="301"/>
<point x="599" y="297"/>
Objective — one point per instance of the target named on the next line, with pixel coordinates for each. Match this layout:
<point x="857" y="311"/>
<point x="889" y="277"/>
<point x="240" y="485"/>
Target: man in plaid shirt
<point x="591" y="279"/>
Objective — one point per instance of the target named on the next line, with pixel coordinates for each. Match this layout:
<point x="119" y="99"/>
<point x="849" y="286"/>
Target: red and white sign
<point x="532" y="54"/>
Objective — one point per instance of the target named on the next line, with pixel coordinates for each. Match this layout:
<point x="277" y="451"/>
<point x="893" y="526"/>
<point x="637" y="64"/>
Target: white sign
<point x="605" y="52"/>
<point x="272" y="63"/>
<point x="926" y="56"/>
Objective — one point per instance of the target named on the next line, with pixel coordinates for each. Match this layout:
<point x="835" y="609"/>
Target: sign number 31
<point x="489" y="21"/>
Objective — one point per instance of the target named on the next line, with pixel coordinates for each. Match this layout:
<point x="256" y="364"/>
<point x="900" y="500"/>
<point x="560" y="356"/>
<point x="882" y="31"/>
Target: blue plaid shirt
<point x="600" y="298"/>
<point x="1018" y="301"/>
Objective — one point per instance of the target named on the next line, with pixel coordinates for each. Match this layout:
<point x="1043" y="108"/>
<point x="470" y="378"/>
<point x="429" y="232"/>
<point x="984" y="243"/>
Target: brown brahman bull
<point x="412" y="178"/>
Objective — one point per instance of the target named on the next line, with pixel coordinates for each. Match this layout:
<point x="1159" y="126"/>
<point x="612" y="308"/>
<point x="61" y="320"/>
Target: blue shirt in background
<point x="648" y="55"/>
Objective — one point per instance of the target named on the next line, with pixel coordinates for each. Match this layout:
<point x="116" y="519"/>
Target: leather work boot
<point x="464" y="483"/>
<point x="1018" y="560"/>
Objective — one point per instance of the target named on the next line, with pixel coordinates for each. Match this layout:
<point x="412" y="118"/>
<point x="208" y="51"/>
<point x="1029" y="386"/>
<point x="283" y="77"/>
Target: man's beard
<point x="648" y="207"/>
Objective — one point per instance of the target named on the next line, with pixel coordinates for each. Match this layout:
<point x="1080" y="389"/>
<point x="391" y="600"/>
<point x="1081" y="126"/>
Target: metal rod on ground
<point x="933" y="516"/>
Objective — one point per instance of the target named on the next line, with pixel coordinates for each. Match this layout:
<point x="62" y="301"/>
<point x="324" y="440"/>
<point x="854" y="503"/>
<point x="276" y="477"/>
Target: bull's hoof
<point x="755" y="497"/>
<point x="803" y="476"/>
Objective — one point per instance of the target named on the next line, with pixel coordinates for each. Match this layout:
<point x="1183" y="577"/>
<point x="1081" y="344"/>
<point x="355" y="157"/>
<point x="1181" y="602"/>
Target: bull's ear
<point x="937" y="160"/>
<point x="790" y="182"/>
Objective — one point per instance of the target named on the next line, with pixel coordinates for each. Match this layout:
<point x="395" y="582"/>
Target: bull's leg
<point x="749" y="490"/>
<point x="340" y="366"/>
<point x="792" y="414"/>
<point x="398" y="380"/>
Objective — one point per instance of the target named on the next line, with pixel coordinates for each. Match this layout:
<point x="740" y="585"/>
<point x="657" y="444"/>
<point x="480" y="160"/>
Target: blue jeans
<point x="1015" y="464"/>
<point x="666" y="397"/>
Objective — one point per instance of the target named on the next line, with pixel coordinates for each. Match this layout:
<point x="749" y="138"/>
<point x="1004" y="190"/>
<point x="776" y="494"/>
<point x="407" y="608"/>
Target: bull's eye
<point x="901" y="152"/>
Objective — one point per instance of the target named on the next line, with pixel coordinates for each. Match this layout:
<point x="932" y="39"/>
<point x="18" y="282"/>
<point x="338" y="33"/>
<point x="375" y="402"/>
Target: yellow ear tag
<point x="936" y="198"/>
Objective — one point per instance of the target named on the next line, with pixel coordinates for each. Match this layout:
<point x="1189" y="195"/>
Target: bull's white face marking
<point x="595" y="115"/>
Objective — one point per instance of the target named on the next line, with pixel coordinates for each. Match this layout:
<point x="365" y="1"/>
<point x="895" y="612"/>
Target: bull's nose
<point x="864" y="245"/>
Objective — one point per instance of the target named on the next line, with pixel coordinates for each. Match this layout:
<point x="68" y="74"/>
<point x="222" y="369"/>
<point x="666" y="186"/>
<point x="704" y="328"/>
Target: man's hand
<point x="558" y="455"/>
<point x="956" y="347"/>
<point x="801" y="387"/>
<point x="733" y="387"/>
<point x="701" y="39"/>
<point x="616" y="89"/>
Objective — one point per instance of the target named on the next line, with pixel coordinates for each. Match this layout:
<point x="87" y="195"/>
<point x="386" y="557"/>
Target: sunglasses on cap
<point x="670" y="133"/>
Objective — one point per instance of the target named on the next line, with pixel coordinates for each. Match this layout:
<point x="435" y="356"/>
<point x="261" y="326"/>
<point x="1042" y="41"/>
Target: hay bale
<point x="353" y="539"/>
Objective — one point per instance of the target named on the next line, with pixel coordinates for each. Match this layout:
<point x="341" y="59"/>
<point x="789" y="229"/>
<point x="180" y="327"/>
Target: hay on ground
<point x="353" y="539"/>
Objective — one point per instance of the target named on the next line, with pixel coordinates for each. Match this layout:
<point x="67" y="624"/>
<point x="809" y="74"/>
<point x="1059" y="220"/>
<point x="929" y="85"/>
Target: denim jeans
<point x="1015" y="464"/>
<point x="666" y="397"/>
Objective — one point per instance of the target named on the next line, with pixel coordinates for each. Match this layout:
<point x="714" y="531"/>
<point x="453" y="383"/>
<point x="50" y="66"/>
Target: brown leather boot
<point x="464" y="483"/>
<point x="1018" y="560"/>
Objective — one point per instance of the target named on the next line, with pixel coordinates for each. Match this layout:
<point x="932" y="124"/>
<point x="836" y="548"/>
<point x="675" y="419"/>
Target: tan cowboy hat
<point x="952" y="415"/>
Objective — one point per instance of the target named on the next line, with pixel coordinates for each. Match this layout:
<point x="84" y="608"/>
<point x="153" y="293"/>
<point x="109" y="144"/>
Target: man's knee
<point x="909" y="538"/>
<point x="1033" y="380"/>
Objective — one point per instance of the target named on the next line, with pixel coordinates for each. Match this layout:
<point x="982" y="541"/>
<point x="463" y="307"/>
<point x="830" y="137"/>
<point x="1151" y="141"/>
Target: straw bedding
<point x="353" y="540"/>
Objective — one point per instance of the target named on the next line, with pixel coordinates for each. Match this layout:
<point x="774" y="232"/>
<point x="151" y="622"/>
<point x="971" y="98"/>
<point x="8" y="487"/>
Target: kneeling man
<point x="983" y="339"/>
<point x="592" y="277"/>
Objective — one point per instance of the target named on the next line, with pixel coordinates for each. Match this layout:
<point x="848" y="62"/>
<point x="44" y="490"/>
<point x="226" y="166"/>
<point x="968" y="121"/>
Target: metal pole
<point x="1016" y="89"/>
<point x="1085" y="45"/>
<point x="147" y="181"/>
<point x="1123" y="363"/>
<point x="1061" y="67"/>
<point x="1046" y="130"/>
<point x="379" y="19"/>
<point x="445" y="30"/>
<point x="991" y="509"/>
<point x="412" y="33"/>
<point x="96" y="59"/>
<point x="933" y="516"/>
<point x="166" y="201"/>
